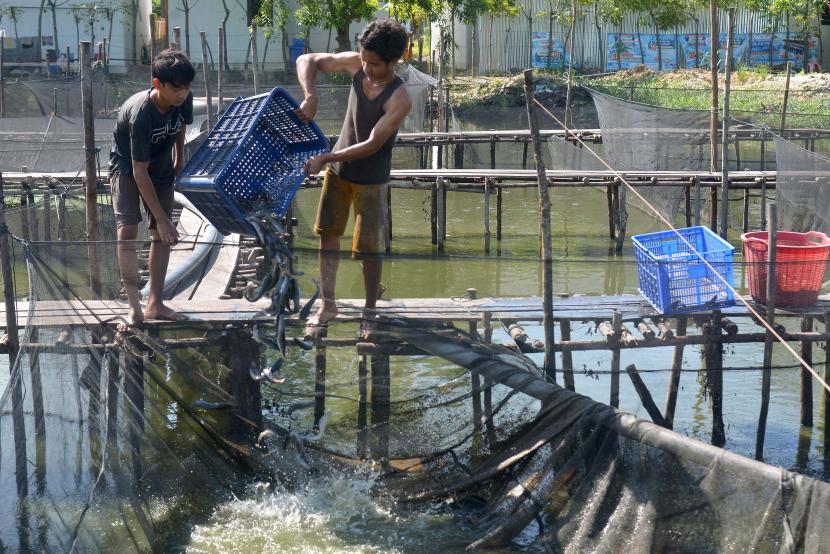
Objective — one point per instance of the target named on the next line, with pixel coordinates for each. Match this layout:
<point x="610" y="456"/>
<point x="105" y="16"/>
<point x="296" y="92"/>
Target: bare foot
<point x="135" y="318"/>
<point x="320" y="318"/>
<point x="165" y="314"/>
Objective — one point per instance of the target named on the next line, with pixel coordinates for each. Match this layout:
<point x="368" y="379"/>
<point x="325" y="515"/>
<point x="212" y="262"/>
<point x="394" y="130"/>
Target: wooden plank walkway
<point x="239" y="311"/>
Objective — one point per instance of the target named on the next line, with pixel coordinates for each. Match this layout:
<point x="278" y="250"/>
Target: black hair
<point x="385" y="37"/>
<point x="172" y="66"/>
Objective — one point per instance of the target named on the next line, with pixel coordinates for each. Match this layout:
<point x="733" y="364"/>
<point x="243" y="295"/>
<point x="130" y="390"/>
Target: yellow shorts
<point x="370" y="208"/>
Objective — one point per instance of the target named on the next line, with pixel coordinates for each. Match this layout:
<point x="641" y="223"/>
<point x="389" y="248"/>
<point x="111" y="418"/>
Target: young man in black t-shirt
<point x="147" y="153"/>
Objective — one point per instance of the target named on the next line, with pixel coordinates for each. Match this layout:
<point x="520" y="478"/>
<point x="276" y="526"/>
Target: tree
<point x="337" y="14"/>
<point x="272" y="15"/>
<point x="14" y="14"/>
<point x="76" y="11"/>
<point x="132" y="8"/>
<point x="187" y="5"/>
<point x="805" y="13"/>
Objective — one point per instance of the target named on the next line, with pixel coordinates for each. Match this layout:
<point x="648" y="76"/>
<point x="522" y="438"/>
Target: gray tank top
<point x="362" y="115"/>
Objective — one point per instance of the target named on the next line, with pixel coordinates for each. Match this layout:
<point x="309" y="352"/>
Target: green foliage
<point x="334" y="13"/>
<point x="270" y="16"/>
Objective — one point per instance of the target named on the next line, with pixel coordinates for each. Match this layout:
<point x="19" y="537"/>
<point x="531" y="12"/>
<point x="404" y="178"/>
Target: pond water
<point x="336" y="512"/>
<point x="335" y="515"/>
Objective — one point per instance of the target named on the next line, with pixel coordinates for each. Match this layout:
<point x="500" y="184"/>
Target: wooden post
<point x="618" y="204"/>
<point x="714" y="42"/>
<point x="713" y="208"/>
<point x="68" y="62"/>
<point x="568" y="115"/>
<point x="2" y="72"/>
<point x="645" y="396"/>
<point x="239" y="351"/>
<point x="47" y="216"/>
<point x="220" y="70"/>
<point x="206" y="75"/>
<point x="698" y="199"/>
<point x="674" y="378"/>
<point x="727" y="71"/>
<point x="254" y="55"/>
<point x="487" y="216"/>
<point x="745" y="215"/>
<point x="499" y="213"/>
<point x="362" y="406"/>
<point x="388" y="234"/>
<point x="687" y="204"/>
<point x="177" y="38"/>
<point x="609" y="196"/>
<point x="767" y="373"/>
<point x="320" y="374"/>
<point x="153" y="39"/>
<point x="714" y="379"/>
<point x="8" y="284"/>
<point x="489" y="425"/>
<point x="433" y="212"/>
<point x="567" y="357"/>
<point x="380" y="407"/>
<point x="786" y="97"/>
<point x="763" y="202"/>
<point x="524" y="155"/>
<point x="824" y="392"/>
<point x="493" y="153"/>
<point x="806" y="378"/>
<point x="549" y="364"/>
<point x="91" y="187"/>
<point x="616" y="325"/>
<point x="441" y="213"/>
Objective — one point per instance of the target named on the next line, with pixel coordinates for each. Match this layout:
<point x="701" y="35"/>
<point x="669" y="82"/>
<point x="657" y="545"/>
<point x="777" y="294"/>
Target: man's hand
<point x="167" y="232"/>
<point x="307" y="110"/>
<point x="314" y="165"/>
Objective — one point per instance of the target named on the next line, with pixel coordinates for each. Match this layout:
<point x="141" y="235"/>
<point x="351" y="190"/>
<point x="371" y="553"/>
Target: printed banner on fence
<point x="624" y="50"/>
<point x="627" y="50"/>
<point x="548" y="53"/>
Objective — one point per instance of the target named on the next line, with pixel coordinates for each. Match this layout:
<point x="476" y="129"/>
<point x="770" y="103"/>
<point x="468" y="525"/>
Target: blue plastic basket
<point x="252" y="159"/>
<point x="675" y="280"/>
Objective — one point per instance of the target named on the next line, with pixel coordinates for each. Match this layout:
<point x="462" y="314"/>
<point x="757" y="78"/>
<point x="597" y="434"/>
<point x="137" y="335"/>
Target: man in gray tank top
<point x="360" y="163"/>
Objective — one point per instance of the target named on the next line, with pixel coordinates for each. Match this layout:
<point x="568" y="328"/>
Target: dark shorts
<point x="126" y="201"/>
<point x="370" y="207"/>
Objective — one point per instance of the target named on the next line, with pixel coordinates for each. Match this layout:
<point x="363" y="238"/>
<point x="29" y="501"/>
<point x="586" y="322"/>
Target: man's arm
<point x="307" y="67"/>
<point x="396" y="109"/>
<point x="178" y="152"/>
<point x="167" y="232"/>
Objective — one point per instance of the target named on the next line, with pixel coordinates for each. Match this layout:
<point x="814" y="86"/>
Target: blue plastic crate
<point x="252" y="159"/>
<point x="675" y="280"/>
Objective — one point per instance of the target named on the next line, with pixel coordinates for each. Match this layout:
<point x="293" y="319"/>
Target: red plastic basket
<point x="800" y="261"/>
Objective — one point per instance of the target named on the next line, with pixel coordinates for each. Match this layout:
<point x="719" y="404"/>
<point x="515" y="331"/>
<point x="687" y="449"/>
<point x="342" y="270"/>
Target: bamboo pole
<point x="255" y="65"/>
<point x="616" y="326"/>
<point x="727" y="79"/>
<point x="806" y="378"/>
<point x="2" y="74"/>
<point x="220" y="70"/>
<point x="786" y="96"/>
<point x="549" y="364"/>
<point x="206" y="75"/>
<point x="91" y="186"/>
<point x="767" y="374"/>
<point x="568" y="114"/>
<point x="714" y="41"/>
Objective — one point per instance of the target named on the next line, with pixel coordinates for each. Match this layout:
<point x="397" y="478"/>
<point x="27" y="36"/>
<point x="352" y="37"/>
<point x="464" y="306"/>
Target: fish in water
<point x="264" y="436"/>
<point x="321" y="429"/>
<point x="295" y="438"/>
<point x="268" y="372"/>
<point x="304" y="313"/>
<point x="204" y="405"/>
<point x="281" y="333"/>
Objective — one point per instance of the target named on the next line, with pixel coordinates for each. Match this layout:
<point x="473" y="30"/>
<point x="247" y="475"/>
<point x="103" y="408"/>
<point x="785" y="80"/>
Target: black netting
<point x="801" y="188"/>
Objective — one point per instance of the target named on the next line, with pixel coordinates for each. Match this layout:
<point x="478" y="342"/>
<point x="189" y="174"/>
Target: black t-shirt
<point x="144" y="134"/>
